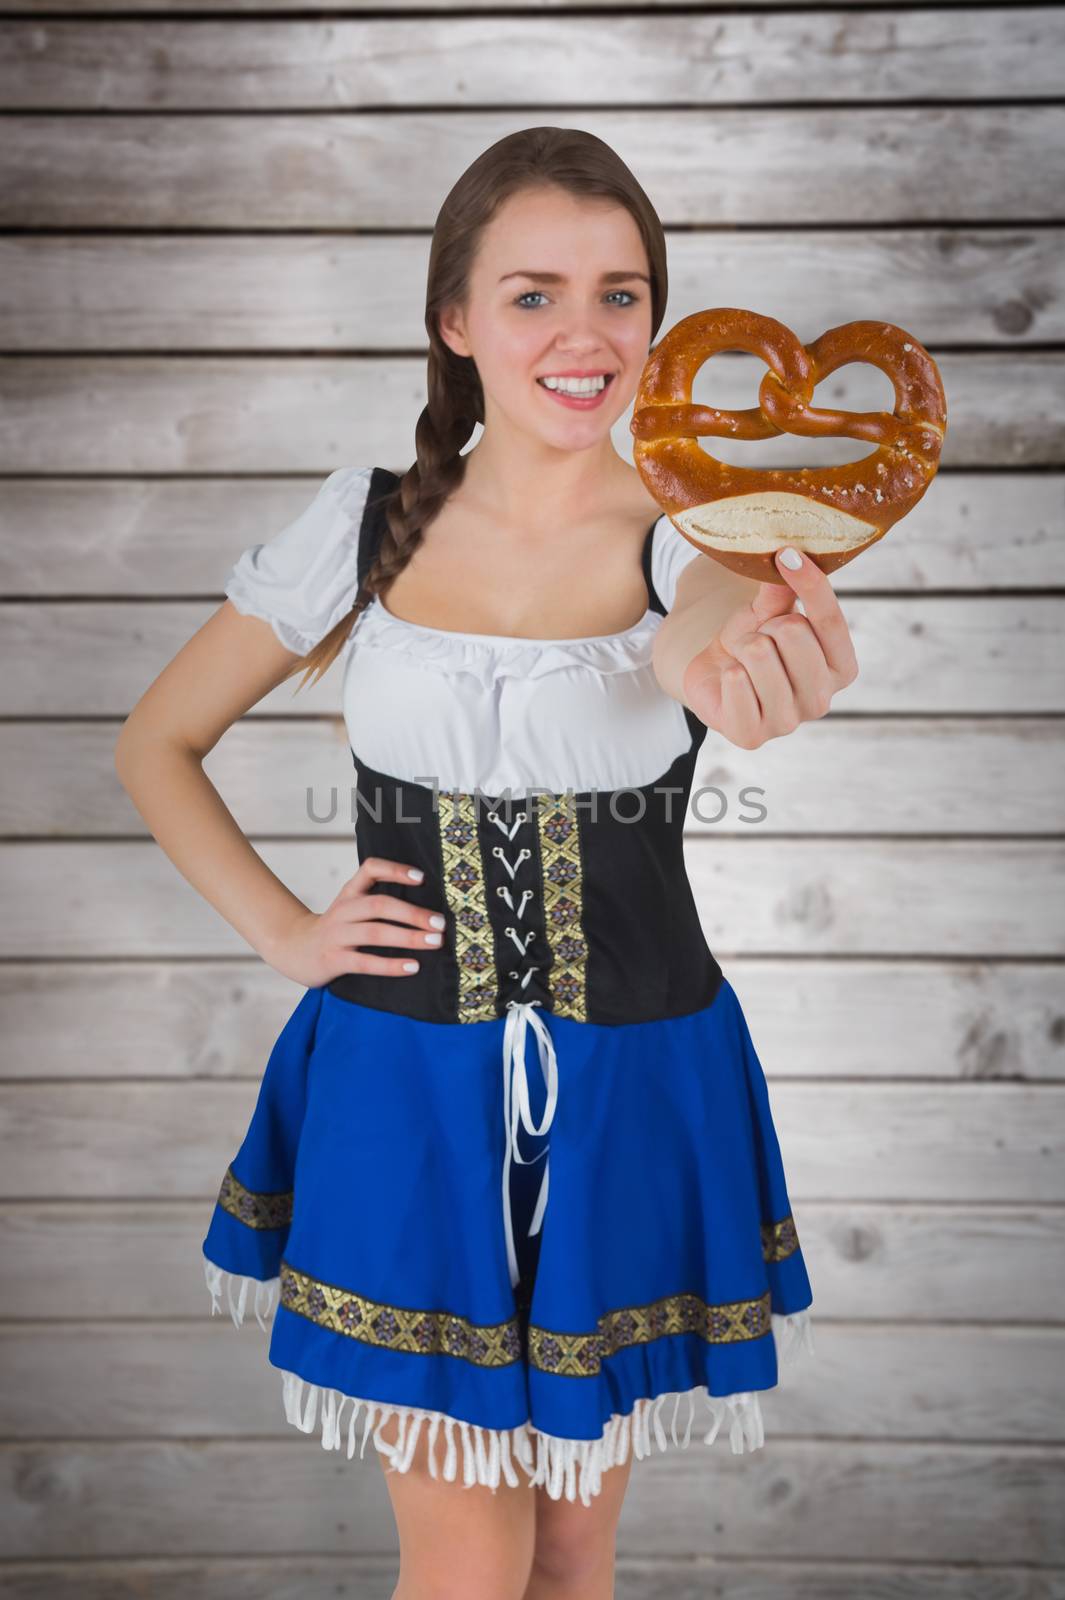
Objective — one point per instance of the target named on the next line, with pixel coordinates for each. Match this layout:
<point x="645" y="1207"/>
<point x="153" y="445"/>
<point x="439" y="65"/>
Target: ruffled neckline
<point x="491" y="656"/>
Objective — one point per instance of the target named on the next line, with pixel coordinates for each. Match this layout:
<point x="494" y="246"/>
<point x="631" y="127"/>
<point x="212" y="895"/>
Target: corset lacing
<point x="520" y="1015"/>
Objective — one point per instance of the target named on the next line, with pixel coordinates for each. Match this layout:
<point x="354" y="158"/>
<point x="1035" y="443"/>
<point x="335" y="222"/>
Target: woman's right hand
<point x="323" y="945"/>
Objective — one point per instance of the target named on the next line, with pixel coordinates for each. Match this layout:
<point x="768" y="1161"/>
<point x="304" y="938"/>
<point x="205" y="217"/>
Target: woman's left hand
<point x="771" y="668"/>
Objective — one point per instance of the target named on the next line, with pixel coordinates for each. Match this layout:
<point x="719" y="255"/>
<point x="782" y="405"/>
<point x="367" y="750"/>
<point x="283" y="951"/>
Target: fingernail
<point x="416" y="873"/>
<point x="437" y="921"/>
<point x="433" y="938"/>
<point x="410" y="966"/>
<point x="790" y="558"/>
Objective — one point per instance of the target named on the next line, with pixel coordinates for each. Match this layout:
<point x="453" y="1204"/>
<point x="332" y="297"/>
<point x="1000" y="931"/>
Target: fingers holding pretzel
<point x="742" y="516"/>
<point x="771" y="667"/>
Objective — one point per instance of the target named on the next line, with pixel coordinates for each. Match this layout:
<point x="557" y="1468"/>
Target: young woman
<point x="532" y="656"/>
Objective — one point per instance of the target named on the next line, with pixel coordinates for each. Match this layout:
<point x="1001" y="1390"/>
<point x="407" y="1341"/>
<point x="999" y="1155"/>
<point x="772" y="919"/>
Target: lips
<point x="577" y="402"/>
<point x="608" y="376"/>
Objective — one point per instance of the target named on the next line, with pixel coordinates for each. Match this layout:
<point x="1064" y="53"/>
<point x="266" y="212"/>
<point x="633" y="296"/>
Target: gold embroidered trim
<point x="569" y="1355"/>
<point x="580" y="1355"/>
<point x="254" y="1210"/>
<point x="779" y="1239"/>
<point x="424" y="1333"/>
<point x="464" y="886"/>
<point x="563" y="889"/>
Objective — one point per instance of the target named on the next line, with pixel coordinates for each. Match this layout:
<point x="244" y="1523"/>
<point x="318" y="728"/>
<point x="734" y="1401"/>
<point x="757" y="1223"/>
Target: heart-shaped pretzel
<point x="740" y="515"/>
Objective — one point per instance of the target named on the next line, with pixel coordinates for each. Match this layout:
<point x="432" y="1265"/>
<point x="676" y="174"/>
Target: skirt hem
<point x="568" y="1467"/>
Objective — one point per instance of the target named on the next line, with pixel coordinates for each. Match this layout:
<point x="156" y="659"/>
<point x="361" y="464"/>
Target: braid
<point x="445" y="425"/>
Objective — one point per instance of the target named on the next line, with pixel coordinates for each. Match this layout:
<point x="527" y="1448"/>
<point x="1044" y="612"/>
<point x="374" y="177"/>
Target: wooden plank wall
<point x="215" y="231"/>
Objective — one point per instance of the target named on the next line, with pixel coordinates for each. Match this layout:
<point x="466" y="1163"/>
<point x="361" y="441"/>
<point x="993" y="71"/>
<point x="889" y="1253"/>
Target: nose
<point x="582" y="333"/>
<point x="582" y="341"/>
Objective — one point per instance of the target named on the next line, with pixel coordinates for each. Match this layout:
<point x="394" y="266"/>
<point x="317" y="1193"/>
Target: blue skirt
<point x="532" y="1259"/>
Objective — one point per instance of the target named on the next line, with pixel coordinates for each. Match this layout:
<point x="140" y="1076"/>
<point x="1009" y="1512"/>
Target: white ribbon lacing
<point x="521" y="1014"/>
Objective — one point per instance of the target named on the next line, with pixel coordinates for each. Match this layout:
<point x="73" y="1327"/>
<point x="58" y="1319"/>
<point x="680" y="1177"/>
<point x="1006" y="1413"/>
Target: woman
<point x="532" y="657"/>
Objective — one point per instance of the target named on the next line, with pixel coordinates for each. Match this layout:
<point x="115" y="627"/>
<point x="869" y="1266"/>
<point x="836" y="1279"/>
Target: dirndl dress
<point x="527" y="1195"/>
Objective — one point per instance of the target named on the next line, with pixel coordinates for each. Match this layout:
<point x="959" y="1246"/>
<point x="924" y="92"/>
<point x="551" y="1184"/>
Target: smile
<point x="580" y="394"/>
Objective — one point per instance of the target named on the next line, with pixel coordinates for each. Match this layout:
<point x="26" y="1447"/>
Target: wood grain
<point x="555" y="60"/>
<point x="214" y="234"/>
<point x="861" y="164"/>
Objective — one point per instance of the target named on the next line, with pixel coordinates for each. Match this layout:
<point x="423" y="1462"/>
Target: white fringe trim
<point x="267" y="1293"/>
<point x="562" y="1466"/>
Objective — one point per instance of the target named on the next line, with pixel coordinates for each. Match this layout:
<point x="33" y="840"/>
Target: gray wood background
<point x="215" y="228"/>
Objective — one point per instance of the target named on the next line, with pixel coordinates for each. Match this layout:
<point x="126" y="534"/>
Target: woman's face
<point x="560" y="286"/>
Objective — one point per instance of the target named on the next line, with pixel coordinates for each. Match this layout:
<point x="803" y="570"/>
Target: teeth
<point x="575" y="385"/>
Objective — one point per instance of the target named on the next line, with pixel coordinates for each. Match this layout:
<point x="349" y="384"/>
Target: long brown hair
<point x="568" y="158"/>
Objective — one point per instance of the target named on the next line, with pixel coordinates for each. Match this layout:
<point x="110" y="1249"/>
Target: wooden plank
<point x="670" y="1577"/>
<point x="953" y="1502"/>
<point x="100" y="1379"/>
<point x="235" y="415"/>
<point x="74" y="292"/>
<point x="871" y="164"/>
<point x="980" y="1021"/>
<point x="1011" y="53"/>
<point x="974" y="1263"/>
<point x="93" y="8"/>
<point x="340" y="1577"/>
<point x="977" y="1142"/>
<point x="987" y="899"/>
<point x="168" y="537"/>
<point x="988" y="656"/>
<point x="857" y="776"/>
<point x="843" y="775"/>
<point x="181" y="1020"/>
<point x="893" y="897"/>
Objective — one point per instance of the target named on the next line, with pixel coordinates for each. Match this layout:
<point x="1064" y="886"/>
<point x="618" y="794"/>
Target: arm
<point x="283" y="596"/>
<point x="223" y="670"/>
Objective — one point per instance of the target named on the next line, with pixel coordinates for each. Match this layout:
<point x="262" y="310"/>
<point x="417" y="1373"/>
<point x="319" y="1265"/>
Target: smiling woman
<point x="580" y="929"/>
<point x="501" y="1265"/>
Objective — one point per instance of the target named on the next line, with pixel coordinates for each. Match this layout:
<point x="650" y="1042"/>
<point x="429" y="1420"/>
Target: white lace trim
<point x="569" y="1467"/>
<point x="489" y="657"/>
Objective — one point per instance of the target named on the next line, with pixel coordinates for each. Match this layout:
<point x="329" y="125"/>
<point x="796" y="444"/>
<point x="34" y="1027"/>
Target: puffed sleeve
<point x="304" y="579"/>
<point x="670" y="554"/>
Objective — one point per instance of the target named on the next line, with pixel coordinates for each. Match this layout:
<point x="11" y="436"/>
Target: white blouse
<point x="468" y="710"/>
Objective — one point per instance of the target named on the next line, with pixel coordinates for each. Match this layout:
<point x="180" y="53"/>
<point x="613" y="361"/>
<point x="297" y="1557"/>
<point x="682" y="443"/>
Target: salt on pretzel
<point x="740" y="515"/>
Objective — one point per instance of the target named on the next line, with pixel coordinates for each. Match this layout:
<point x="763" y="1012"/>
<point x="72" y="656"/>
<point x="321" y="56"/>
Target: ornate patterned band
<point x="563" y="884"/>
<point x="254" y="1210"/>
<point x="573" y="1355"/>
<point x="464" y="885"/>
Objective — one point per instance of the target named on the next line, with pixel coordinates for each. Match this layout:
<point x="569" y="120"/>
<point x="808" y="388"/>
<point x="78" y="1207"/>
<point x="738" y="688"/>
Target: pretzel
<point x="741" y="516"/>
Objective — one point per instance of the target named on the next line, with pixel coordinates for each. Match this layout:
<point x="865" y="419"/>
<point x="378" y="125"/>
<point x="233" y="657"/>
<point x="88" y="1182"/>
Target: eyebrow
<point x="560" y="277"/>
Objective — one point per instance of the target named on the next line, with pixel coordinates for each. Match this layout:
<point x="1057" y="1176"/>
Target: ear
<point x="452" y="328"/>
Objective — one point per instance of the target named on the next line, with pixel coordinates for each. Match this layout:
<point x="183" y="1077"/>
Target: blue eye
<point x="631" y="300"/>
